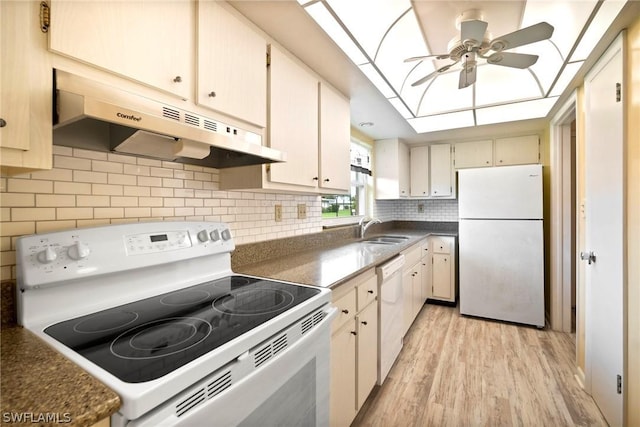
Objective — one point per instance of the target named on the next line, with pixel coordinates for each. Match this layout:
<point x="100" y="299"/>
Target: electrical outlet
<point x="420" y="207"/>
<point x="278" y="213"/>
<point x="302" y="211"/>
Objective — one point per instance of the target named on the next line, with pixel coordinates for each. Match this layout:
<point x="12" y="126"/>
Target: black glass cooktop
<point x="147" y="339"/>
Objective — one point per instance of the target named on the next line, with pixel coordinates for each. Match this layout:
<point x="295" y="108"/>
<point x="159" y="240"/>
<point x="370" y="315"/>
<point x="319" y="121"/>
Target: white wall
<point x="408" y="210"/>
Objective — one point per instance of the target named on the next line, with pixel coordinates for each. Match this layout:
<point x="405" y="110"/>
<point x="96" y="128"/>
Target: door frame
<point x="561" y="256"/>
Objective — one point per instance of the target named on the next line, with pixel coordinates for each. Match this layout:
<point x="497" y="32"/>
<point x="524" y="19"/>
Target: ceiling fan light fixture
<point x="498" y="45"/>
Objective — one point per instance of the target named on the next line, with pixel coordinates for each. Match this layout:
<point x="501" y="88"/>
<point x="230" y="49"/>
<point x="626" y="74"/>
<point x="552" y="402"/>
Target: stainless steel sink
<point x="386" y="240"/>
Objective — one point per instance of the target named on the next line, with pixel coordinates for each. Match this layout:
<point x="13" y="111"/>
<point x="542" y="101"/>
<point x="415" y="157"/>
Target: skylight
<point x="379" y="35"/>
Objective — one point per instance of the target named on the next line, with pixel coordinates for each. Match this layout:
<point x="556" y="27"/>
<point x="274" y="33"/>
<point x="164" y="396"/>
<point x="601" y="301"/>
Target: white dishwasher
<point x="390" y="308"/>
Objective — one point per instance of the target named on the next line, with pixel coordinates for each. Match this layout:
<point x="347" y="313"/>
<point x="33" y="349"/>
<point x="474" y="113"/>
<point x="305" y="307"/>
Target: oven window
<point x="292" y="404"/>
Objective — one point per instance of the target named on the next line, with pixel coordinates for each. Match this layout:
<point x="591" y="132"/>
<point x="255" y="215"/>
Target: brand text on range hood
<point x="96" y="116"/>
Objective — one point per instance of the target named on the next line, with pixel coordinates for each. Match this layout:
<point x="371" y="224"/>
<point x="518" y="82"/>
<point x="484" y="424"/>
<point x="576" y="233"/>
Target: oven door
<point x="291" y="388"/>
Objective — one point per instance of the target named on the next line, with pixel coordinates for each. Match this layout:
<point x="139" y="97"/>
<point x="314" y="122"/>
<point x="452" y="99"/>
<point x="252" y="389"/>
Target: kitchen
<point x="88" y="187"/>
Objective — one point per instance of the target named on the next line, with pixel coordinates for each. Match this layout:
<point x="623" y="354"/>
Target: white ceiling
<point x="287" y="23"/>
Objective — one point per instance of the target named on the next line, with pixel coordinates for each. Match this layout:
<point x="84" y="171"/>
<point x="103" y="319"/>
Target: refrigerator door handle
<point x="588" y="256"/>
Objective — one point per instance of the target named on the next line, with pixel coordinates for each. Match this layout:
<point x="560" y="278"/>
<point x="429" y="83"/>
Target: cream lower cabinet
<point x="354" y="347"/>
<point x="26" y="82"/>
<point x="412" y="284"/>
<point x="443" y="273"/>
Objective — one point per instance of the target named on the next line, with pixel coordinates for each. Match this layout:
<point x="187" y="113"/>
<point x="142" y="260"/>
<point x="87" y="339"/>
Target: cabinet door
<point x="232" y="68"/>
<point x="26" y="87"/>
<point x="420" y="171"/>
<point x="476" y="154"/>
<point x="442" y="283"/>
<point x="407" y="300"/>
<point x="404" y="166"/>
<point x="150" y="42"/>
<point x="293" y="121"/>
<point x="425" y="262"/>
<point x="343" y="375"/>
<point x="517" y="151"/>
<point x="367" y="356"/>
<point x="441" y="171"/>
<point x="416" y="290"/>
<point x="335" y="140"/>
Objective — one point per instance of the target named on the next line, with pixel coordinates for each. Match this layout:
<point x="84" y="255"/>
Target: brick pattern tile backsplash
<point x="88" y="188"/>
<point x="410" y="210"/>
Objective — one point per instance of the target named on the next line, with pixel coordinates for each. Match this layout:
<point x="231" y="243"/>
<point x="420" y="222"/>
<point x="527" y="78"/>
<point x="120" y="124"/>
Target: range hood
<point x="96" y="116"/>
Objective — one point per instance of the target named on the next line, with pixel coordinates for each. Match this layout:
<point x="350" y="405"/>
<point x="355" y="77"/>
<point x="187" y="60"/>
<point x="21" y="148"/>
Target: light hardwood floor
<point x="461" y="371"/>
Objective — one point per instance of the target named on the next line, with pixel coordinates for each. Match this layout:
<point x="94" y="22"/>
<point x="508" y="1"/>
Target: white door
<point x="604" y="232"/>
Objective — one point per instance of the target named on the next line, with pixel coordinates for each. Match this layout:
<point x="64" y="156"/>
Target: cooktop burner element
<point x="147" y="339"/>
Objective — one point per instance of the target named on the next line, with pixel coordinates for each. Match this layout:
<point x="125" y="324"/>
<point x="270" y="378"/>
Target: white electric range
<point x="154" y="311"/>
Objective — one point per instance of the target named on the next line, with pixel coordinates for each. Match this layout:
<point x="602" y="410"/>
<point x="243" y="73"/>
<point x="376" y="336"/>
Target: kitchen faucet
<point x="365" y="225"/>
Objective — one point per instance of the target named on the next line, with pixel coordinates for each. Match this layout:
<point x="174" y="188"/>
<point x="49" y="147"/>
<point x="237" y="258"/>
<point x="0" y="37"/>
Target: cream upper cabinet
<point x="441" y="171"/>
<point x="475" y="154"/>
<point x="517" y="150"/>
<point x="232" y="68"/>
<point x="293" y="121"/>
<point x="335" y="140"/>
<point x="150" y="42"/>
<point x="26" y="86"/>
<point x="420" y="171"/>
<point x="392" y="174"/>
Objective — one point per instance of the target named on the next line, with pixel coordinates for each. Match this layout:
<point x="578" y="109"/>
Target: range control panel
<point x="44" y="259"/>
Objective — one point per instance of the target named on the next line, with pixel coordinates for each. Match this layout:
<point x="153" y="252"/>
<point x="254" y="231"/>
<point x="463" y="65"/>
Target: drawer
<point x="346" y="306"/>
<point x="412" y="256"/>
<point x="441" y="244"/>
<point x="367" y="292"/>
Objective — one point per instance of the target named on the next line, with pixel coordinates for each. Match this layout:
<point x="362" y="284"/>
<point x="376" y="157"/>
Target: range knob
<point x="78" y="251"/>
<point x="47" y="256"/>
<point x="226" y="234"/>
<point x="203" y="236"/>
<point x="215" y="235"/>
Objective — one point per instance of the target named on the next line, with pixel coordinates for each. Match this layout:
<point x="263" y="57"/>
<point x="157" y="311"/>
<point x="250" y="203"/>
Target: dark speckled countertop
<point x="330" y="266"/>
<point x="42" y="387"/>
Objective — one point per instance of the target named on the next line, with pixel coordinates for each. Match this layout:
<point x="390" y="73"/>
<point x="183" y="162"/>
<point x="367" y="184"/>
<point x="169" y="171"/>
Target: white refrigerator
<point x="501" y="247"/>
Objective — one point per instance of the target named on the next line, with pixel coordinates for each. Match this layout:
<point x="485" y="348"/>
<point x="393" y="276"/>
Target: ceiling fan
<point x="474" y="41"/>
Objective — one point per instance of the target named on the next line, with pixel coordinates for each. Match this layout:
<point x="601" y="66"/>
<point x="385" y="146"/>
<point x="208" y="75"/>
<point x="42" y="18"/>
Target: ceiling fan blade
<point x="432" y="75"/>
<point x="467" y="77"/>
<point x="473" y="29"/>
<point x="418" y="58"/>
<point x="532" y="34"/>
<point x="513" y="60"/>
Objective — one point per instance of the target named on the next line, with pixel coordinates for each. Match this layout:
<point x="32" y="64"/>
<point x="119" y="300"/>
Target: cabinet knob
<point x="212" y="94"/>
<point x="315" y="178"/>
<point x="345" y="311"/>
<point x="177" y="79"/>
<point x="487" y="161"/>
<point x="326" y="180"/>
<point x="499" y="161"/>
<point x="354" y="333"/>
<point x="364" y="323"/>
<point x="370" y="291"/>
<point x="3" y="122"/>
